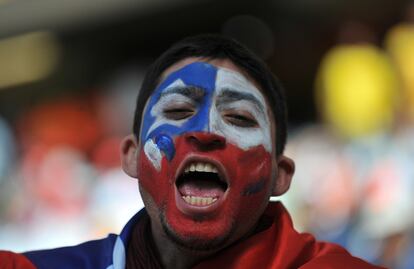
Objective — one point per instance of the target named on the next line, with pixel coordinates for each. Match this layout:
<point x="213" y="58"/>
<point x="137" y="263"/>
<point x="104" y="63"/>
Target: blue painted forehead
<point x="200" y="74"/>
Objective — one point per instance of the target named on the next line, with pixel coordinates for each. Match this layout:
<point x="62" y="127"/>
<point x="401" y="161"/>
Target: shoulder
<point x="96" y="254"/>
<point x="337" y="260"/>
<point x="305" y="252"/>
<point x="106" y="253"/>
<point x="11" y="260"/>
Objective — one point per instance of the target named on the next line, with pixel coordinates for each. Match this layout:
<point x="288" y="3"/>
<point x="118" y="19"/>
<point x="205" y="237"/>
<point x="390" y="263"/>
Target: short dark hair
<point x="218" y="47"/>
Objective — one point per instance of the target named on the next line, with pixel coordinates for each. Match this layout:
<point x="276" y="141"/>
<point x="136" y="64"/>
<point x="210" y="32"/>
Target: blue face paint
<point x="166" y="145"/>
<point x="198" y="74"/>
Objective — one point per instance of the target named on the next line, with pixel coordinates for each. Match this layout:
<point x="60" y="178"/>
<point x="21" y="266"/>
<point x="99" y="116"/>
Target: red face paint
<point x="249" y="181"/>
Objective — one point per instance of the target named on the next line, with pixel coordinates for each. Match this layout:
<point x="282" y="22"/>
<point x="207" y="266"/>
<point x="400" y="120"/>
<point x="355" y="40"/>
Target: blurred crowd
<point x="61" y="181"/>
<point x="354" y="182"/>
<point x="60" y="177"/>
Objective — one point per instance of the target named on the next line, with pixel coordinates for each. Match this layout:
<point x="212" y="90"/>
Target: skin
<point x="185" y="235"/>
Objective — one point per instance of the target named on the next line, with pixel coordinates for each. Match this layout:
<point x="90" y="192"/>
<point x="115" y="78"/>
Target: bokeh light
<point x="357" y="90"/>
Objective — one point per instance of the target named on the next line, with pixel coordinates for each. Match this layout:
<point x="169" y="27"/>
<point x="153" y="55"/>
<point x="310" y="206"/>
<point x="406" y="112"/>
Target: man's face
<point x="206" y="159"/>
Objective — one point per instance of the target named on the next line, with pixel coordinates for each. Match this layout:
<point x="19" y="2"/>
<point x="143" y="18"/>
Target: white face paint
<point x="244" y="98"/>
<point x="206" y="98"/>
<point x="164" y="102"/>
<point x="153" y="153"/>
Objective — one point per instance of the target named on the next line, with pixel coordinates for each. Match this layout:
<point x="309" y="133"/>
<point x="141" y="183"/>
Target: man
<point x="207" y="150"/>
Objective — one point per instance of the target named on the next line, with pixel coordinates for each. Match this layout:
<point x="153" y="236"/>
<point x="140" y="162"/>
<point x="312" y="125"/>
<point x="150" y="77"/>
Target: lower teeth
<point x="199" y="201"/>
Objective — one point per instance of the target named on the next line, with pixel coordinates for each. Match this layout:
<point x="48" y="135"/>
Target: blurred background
<point x="70" y="72"/>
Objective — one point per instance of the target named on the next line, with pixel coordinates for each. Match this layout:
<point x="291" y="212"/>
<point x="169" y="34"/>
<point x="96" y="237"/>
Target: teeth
<point x="208" y="167"/>
<point x="199" y="201"/>
<point x="201" y="167"/>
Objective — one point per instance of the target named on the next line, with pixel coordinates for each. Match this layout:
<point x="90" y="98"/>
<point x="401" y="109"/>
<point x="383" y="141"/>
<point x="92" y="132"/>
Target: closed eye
<point x="178" y="113"/>
<point x="240" y="119"/>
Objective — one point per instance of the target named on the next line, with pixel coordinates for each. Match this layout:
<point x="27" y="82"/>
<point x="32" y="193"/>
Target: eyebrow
<point x="192" y="92"/>
<point x="230" y="95"/>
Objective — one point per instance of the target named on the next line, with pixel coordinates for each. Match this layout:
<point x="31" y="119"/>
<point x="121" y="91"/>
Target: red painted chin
<point x="248" y="176"/>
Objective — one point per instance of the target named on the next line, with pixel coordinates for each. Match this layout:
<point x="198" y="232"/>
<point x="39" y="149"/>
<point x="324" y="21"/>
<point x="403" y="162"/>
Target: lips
<point x="201" y="184"/>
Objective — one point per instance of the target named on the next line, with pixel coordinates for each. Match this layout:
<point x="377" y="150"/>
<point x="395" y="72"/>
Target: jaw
<point x="241" y="190"/>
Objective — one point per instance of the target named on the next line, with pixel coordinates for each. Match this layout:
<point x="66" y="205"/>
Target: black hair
<point x="212" y="46"/>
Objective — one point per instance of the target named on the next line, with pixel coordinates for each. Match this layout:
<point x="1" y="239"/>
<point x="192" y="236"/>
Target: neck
<point x="173" y="256"/>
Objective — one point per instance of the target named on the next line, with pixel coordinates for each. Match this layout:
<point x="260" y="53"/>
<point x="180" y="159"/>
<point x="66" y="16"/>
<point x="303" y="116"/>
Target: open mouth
<point x="200" y="184"/>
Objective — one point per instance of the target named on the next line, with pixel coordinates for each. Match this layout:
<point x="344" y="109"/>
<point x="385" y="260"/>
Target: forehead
<point x="219" y="63"/>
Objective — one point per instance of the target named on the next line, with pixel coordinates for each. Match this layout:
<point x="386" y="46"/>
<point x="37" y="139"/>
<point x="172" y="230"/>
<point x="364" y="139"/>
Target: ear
<point x="285" y="171"/>
<point x="129" y="155"/>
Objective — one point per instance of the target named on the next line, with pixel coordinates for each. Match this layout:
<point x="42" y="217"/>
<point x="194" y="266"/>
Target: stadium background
<point x="70" y="72"/>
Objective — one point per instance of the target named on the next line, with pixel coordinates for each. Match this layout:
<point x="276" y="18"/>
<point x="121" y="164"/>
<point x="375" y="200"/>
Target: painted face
<point x="206" y="158"/>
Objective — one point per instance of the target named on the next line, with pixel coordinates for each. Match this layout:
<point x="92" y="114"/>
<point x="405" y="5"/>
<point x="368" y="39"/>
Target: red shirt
<point x="275" y="245"/>
<point x="281" y="246"/>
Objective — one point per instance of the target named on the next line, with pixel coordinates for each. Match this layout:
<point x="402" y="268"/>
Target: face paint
<point x="166" y="145"/>
<point x="235" y="92"/>
<point x="210" y="90"/>
<point x="249" y="174"/>
<point x="193" y="84"/>
<point x="192" y="109"/>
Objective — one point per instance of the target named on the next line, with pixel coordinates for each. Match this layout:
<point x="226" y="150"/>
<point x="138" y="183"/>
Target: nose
<point x="205" y="141"/>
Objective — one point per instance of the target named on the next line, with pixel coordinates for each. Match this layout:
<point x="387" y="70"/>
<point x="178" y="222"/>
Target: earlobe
<point x="129" y="155"/>
<point x="286" y="169"/>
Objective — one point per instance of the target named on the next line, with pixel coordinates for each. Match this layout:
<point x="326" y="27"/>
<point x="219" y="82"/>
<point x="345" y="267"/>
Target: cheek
<point x="252" y="180"/>
<point x="256" y="163"/>
<point x="155" y="182"/>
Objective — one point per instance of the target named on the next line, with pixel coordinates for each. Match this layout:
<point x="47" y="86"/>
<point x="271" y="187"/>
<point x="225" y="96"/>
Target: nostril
<point x="218" y="142"/>
<point x="206" y="141"/>
<point x="192" y="139"/>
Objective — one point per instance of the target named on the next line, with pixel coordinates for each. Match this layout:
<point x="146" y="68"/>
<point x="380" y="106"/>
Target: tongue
<point x="201" y="188"/>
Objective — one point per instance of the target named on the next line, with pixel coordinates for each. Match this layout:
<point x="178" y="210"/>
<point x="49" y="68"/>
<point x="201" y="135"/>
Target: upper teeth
<point x="201" y="167"/>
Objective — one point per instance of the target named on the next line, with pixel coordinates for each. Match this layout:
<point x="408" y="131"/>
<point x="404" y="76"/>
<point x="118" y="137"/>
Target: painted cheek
<point x="166" y="144"/>
<point x="163" y="146"/>
<point x="254" y="172"/>
<point x="156" y="176"/>
<point x="159" y="181"/>
<point x="250" y="179"/>
<point x="155" y="182"/>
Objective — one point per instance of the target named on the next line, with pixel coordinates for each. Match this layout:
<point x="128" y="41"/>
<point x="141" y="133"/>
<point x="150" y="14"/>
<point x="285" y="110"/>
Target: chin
<point x="198" y="235"/>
